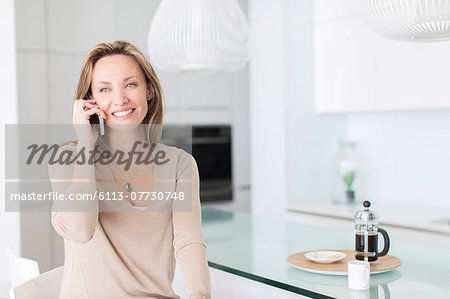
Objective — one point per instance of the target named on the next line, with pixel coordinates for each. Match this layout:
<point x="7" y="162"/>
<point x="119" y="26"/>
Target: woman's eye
<point x="103" y="89"/>
<point x="131" y="85"/>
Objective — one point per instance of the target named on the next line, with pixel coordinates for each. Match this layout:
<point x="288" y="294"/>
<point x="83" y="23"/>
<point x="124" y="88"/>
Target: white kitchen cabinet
<point x="411" y="75"/>
<point x="341" y="217"/>
<point x="358" y="70"/>
<point x="344" y="66"/>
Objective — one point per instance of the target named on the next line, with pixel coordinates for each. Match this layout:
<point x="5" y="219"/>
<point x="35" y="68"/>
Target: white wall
<point x="311" y="139"/>
<point x="9" y="221"/>
<point x="267" y="108"/>
<point x="407" y="155"/>
<point x="291" y="146"/>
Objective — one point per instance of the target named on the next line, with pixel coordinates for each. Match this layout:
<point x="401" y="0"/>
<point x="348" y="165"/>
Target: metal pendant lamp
<point x="412" y="20"/>
<point x="199" y="36"/>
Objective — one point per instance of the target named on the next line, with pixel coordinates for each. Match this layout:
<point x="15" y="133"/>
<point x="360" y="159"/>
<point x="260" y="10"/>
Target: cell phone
<point x="95" y="119"/>
<point x="102" y="125"/>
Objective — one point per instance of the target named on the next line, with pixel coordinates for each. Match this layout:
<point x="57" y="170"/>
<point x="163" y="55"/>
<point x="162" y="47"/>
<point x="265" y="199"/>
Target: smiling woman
<point x="127" y="248"/>
<point x="114" y="73"/>
<point x="124" y="96"/>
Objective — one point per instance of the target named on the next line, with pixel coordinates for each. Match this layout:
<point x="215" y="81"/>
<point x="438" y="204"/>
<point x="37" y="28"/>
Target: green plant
<point x="349" y="178"/>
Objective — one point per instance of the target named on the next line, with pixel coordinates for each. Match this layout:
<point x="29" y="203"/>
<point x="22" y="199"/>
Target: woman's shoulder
<point x="173" y="151"/>
<point x="57" y="150"/>
<point x="181" y="157"/>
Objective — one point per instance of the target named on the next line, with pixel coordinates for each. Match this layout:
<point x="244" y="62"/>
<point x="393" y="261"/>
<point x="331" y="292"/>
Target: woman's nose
<point x="120" y="98"/>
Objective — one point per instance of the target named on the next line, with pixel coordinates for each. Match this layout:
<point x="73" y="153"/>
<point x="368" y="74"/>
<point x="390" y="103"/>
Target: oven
<point x="211" y="148"/>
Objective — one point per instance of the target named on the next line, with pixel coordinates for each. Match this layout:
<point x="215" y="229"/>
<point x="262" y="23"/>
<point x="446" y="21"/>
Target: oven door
<point x="211" y="148"/>
<point x="213" y="156"/>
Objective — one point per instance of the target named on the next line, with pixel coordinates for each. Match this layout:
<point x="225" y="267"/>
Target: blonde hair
<point x="154" y="116"/>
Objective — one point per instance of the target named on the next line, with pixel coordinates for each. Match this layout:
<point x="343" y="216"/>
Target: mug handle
<point x="386" y="242"/>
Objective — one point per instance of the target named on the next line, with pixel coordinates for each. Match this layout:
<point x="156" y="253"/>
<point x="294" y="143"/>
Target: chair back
<point x="21" y="269"/>
<point x="45" y="286"/>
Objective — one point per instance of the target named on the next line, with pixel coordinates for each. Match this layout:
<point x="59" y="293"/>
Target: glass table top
<point x="257" y="247"/>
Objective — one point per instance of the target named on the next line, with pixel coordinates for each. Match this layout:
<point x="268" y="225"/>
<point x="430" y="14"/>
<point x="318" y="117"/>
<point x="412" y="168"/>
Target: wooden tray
<point x="383" y="264"/>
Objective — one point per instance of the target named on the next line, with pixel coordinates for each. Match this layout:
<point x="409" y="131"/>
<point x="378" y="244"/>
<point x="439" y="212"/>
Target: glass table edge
<point x="267" y="281"/>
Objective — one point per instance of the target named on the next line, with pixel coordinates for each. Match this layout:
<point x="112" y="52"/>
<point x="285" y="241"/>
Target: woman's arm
<point x="189" y="245"/>
<point x="75" y="221"/>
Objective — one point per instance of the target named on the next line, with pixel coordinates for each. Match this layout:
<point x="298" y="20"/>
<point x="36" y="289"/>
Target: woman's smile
<point x="123" y="113"/>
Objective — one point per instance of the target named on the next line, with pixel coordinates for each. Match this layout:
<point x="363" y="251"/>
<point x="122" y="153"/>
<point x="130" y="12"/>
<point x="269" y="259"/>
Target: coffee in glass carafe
<point x="366" y="235"/>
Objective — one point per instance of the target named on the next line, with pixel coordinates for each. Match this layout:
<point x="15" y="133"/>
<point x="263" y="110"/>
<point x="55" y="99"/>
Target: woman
<point x="127" y="248"/>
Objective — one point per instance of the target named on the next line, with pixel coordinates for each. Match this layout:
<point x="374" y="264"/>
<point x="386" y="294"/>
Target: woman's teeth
<point x="123" y="113"/>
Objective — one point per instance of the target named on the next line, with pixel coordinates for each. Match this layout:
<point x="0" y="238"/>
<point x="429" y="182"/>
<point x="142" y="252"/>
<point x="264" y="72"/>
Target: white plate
<point x="325" y="257"/>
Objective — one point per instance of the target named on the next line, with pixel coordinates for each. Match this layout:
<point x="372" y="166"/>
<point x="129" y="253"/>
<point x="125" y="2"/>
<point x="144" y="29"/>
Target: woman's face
<point x="120" y="90"/>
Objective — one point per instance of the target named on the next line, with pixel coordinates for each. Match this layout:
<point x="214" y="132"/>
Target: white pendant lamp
<point x="413" y="20"/>
<point x="199" y="36"/>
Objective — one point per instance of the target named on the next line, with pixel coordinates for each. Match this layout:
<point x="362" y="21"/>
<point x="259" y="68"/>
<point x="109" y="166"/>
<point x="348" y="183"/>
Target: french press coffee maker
<point x="366" y="235"/>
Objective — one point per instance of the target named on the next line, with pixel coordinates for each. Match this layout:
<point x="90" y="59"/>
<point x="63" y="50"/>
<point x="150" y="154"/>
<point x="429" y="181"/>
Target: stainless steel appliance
<point x="211" y="148"/>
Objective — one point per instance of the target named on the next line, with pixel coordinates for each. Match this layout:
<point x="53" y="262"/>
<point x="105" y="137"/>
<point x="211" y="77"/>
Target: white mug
<point x="359" y="275"/>
<point x="354" y="294"/>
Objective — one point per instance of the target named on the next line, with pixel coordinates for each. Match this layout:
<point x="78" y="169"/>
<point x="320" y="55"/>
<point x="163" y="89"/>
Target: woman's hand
<point x="81" y="112"/>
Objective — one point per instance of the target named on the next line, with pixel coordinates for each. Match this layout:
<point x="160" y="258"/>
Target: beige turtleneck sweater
<point x="121" y="252"/>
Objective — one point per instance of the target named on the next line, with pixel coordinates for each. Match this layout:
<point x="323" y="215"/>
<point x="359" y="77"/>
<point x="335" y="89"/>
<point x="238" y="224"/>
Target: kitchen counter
<point x="418" y="217"/>
<point x="256" y="248"/>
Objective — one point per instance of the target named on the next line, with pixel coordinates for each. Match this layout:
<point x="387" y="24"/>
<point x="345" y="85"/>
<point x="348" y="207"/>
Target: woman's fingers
<point x="79" y="106"/>
<point x="81" y="103"/>
<point x="97" y="111"/>
<point x="86" y="102"/>
<point x="89" y="105"/>
<point x="78" y="103"/>
<point x="82" y="110"/>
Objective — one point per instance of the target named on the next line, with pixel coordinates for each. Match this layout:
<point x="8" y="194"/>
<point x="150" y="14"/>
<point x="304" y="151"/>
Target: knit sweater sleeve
<point x="189" y="244"/>
<point x="71" y="220"/>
